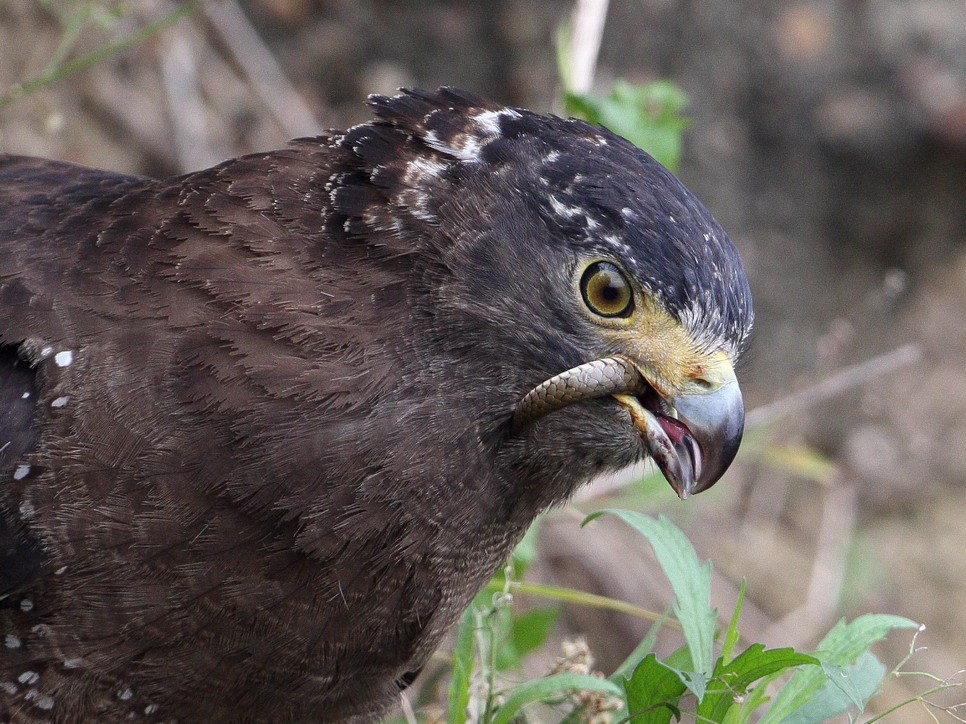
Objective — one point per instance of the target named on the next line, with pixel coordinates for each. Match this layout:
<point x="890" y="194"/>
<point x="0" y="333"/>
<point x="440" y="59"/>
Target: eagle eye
<point x="606" y="291"/>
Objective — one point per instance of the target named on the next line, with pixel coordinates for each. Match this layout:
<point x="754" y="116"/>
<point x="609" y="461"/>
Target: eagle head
<point x="574" y="285"/>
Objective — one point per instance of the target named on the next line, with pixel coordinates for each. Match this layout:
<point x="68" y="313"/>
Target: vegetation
<point x="710" y="679"/>
<point x="75" y="17"/>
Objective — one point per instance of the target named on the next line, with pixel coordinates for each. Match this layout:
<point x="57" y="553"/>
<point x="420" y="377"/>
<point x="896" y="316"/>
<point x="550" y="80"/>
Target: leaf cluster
<point x="708" y="679"/>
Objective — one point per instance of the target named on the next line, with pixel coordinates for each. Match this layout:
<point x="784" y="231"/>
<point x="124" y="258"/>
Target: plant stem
<point x="85" y="61"/>
<point x="569" y="595"/>
<point x="921" y="697"/>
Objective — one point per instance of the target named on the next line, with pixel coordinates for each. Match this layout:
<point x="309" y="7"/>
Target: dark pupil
<point x="610" y="293"/>
<point x="606" y="291"/>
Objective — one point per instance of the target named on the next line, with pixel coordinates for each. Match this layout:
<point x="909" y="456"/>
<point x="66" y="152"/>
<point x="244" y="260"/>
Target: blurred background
<point x="829" y="139"/>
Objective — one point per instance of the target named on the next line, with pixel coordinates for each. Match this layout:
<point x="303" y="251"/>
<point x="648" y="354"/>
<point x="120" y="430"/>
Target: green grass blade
<point x="690" y="581"/>
<point x="85" y="61"/>
<point x="580" y="598"/>
<point x="461" y="669"/>
<point x="731" y="635"/>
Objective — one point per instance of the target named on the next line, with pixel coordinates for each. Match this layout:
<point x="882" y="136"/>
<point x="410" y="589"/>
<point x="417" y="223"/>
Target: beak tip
<point x="681" y="477"/>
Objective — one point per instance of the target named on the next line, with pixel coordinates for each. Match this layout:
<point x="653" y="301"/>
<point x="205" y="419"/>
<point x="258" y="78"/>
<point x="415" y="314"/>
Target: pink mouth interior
<point x="675" y="430"/>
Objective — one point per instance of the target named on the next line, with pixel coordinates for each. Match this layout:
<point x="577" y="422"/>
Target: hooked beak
<point x="692" y="437"/>
<point x="692" y="433"/>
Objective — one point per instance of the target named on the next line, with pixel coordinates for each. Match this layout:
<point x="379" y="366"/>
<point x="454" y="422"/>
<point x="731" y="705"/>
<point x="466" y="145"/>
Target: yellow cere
<point x="666" y="353"/>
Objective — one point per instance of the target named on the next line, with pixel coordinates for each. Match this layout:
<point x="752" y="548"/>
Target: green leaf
<point x="678" y="659"/>
<point x="653" y="692"/>
<point x="690" y="581"/>
<point x="695" y="682"/>
<point x="546" y="687"/>
<point x="731" y="635"/>
<point x="646" y="115"/>
<point x="461" y="669"/>
<point x="749" y="666"/>
<point x="840" y="647"/>
<point x="845" y="687"/>
<point x="846" y="641"/>
<point x="528" y="631"/>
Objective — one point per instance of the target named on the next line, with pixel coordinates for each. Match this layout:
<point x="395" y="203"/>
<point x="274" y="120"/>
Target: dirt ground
<point x="828" y="138"/>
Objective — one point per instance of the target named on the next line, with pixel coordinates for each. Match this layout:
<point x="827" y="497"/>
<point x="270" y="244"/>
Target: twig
<point x="828" y="571"/>
<point x="836" y="384"/>
<point x="262" y="69"/>
<point x="831" y="386"/>
<point x="179" y="74"/>
<point x="921" y="698"/>
<point x="834" y="541"/>
<point x="138" y="109"/>
<point x="587" y="29"/>
<point x="85" y="61"/>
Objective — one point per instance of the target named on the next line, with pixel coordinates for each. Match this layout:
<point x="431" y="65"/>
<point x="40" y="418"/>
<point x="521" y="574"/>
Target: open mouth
<point x="668" y="440"/>
<point x="693" y="437"/>
<point x="677" y="432"/>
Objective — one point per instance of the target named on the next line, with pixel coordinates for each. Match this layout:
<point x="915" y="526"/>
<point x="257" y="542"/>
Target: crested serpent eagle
<point x="267" y="427"/>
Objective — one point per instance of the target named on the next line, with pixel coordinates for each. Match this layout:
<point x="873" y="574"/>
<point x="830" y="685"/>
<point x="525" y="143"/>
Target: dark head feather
<point x="595" y="189"/>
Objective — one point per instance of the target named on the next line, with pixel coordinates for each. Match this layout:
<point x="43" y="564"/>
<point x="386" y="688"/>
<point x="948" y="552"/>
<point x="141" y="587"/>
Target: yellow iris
<point x="606" y="290"/>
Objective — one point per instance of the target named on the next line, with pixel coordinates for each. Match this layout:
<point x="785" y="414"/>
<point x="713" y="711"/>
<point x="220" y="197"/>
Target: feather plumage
<point x="265" y="460"/>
